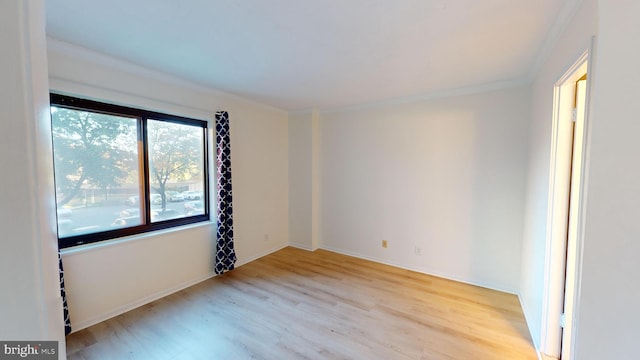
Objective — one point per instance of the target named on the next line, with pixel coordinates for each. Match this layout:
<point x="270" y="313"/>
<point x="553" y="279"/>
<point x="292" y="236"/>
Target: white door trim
<point x="558" y="204"/>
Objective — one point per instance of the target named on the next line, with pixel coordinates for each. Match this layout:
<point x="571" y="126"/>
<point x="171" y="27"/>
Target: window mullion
<point x="146" y="184"/>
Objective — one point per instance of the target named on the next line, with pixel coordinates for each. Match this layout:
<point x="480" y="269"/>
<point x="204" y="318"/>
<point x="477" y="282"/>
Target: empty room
<point x="353" y="179"/>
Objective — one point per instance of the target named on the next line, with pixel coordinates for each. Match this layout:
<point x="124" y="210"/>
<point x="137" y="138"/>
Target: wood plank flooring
<point x="295" y="304"/>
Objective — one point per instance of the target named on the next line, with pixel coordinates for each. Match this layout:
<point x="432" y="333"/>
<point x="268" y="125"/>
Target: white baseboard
<point x="475" y="283"/>
<point x="241" y="262"/>
<point x="423" y="271"/>
<point x="533" y="339"/>
<point x="77" y="326"/>
<point x="302" y="246"/>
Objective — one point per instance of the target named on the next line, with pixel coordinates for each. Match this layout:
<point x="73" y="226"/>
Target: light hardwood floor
<point x="295" y="304"/>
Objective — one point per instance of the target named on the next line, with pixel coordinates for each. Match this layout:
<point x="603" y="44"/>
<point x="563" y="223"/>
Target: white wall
<point x="573" y="41"/>
<point x="104" y="280"/>
<point x="608" y="314"/>
<point x="445" y="175"/>
<point x="30" y="304"/>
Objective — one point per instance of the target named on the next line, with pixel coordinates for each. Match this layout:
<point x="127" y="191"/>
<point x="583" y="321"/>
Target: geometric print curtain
<point x="65" y="308"/>
<point x="225" y="254"/>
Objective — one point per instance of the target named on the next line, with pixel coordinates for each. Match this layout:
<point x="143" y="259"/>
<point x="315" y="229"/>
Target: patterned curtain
<point x="225" y="254"/>
<point x="65" y="309"/>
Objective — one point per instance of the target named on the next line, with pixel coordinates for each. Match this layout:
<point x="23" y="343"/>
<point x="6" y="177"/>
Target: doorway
<point x="564" y="219"/>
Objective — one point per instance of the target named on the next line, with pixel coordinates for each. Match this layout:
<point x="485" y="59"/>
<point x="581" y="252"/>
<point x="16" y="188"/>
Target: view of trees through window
<point x="115" y="171"/>
<point x="175" y="163"/>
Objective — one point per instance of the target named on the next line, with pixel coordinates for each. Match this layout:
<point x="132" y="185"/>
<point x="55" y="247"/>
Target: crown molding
<point x="565" y="15"/>
<point x="435" y="95"/>
<point x="61" y="47"/>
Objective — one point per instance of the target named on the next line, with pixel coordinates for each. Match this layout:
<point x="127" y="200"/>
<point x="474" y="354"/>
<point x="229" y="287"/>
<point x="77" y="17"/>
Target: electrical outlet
<point x="266" y="237"/>
<point x="417" y="250"/>
<point x="384" y="244"/>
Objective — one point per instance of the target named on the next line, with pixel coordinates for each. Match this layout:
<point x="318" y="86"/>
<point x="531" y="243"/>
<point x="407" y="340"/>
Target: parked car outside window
<point x="174" y="196"/>
<point x="192" y="195"/>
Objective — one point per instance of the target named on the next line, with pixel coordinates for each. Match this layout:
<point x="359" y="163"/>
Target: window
<point x="121" y="171"/>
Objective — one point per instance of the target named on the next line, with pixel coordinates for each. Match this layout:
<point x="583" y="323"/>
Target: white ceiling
<point x="299" y="54"/>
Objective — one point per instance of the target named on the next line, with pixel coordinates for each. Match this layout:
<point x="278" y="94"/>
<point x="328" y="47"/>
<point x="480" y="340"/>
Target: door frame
<point x="553" y="342"/>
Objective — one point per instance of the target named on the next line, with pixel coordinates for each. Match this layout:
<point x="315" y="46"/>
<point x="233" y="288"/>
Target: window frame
<point x="141" y="116"/>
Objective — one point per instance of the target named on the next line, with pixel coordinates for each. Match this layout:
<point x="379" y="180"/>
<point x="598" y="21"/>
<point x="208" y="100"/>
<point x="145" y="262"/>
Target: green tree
<point x="175" y="153"/>
<point x="90" y="149"/>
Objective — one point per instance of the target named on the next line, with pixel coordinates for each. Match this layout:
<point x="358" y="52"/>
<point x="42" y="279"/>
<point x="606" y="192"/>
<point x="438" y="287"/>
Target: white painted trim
<point x="58" y="46"/>
<point x="302" y="246"/>
<point x="422" y="271"/>
<point x="94" y="57"/>
<point x="435" y="95"/>
<point x="77" y="326"/>
<point x="241" y="262"/>
<point x="550" y="325"/>
<point x="582" y="210"/>
<point x="536" y="346"/>
<point x="565" y="15"/>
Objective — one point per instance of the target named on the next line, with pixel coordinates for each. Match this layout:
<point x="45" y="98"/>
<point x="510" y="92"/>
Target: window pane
<point x="120" y="173"/>
<point x="176" y="170"/>
<point x="96" y="171"/>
